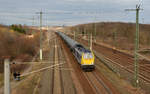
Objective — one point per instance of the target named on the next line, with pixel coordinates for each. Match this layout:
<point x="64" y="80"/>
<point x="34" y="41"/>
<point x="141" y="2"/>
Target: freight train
<point x="84" y="56"/>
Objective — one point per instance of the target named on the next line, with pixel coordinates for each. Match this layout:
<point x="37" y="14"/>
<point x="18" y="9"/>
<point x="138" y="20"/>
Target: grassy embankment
<point x="118" y="34"/>
<point x="18" y="45"/>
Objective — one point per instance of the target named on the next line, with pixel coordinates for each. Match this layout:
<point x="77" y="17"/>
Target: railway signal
<point x="136" y="57"/>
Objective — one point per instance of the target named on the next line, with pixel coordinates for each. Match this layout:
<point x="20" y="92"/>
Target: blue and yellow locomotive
<point x="84" y="56"/>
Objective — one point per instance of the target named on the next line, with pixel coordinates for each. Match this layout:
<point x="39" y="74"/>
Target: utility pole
<point x="91" y="42"/>
<point x="89" y="39"/>
<point x="74" y="35"/>
<point x="77" y="32"/>
<point x="84" y="31"/>
<point x="137" y="48"/>
<point x="95" y="30"/>
<point x="33" y="24"/>
<point x="33" y="21"/>
<point x="6" y="76"/>
<point x="41" y="35"/>
<point x="114" y="39"/>
<point x="136" y="63"/>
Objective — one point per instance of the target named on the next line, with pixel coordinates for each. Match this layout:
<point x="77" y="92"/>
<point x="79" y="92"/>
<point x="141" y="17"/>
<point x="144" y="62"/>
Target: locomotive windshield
<point x="88" y="56"/>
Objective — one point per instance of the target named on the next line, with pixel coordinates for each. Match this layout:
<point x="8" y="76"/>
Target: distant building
<point x="30" y="36"/>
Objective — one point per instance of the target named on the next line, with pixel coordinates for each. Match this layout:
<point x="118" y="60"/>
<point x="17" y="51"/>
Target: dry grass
<point x="18" y="47"/>
<point x="27" y="86"/>
<point x="125" y="33"/>
<point x="29" y="83"/>
<point x="1" y="79"/>
<point x="119" y="83"/>
<point x="14" y="44"/>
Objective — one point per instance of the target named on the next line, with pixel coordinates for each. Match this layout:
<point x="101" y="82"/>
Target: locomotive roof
<point x="82" y="49"/>
<point x="74" y="44"/>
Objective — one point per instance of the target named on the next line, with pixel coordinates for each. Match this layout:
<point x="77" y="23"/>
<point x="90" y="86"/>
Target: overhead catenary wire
<point x="17" y="14"/>
<point x="140" y="3"/>
<point x="70" y="17"/>
<point x="41" y="70"/>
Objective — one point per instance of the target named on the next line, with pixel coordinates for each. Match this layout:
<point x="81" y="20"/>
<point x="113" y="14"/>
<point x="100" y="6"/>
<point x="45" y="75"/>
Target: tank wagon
<point x="84" y="56"/>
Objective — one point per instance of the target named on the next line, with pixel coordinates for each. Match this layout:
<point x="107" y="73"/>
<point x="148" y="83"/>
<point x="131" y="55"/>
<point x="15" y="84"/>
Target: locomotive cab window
<point x="88" y="56"/>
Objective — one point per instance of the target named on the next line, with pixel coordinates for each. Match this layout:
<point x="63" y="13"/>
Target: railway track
<point x="61" y="80"/>
<point x="60" y="57"/>
<point x="125" y="60"/>
<point x="57" y="77"/>
<point x="97" y="83"/>
<point x="52" y="75"/>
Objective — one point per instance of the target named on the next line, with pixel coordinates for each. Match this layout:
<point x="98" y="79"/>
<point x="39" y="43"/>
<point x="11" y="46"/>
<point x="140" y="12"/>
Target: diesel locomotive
<point x="85" y="57"/>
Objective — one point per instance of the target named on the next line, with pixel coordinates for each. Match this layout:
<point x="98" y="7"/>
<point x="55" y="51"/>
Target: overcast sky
<point x="70" y="12"/>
